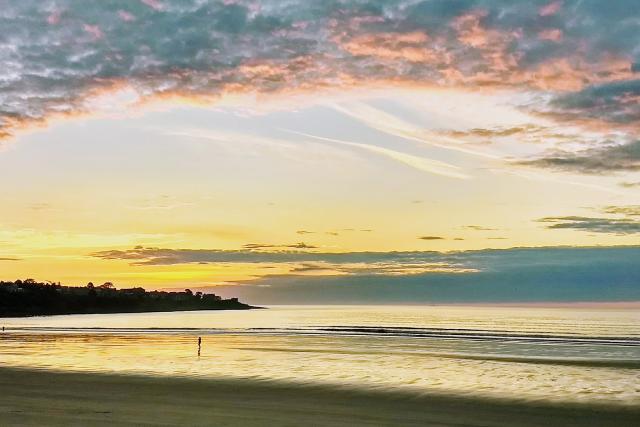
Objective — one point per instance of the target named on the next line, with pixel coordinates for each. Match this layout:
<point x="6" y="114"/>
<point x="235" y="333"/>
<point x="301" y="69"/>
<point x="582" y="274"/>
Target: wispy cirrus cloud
<point x="526" y="132"/>
<point x="435" y="167"/>
<point x="495" y="132"/>
<point x="393" y="125"/>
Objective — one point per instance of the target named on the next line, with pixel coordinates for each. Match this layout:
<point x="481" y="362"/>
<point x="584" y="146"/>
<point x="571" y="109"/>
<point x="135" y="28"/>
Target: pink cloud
<point x="94" y="30"/>
<point x="54" y="18"/>
<point x="553" y="34"/>
<point x="126" y="16"/>
<point x="408" y="46"/>
<point x="300" y="25"/>
<point x="154" y="4"/>
<point x="551" y="8"/>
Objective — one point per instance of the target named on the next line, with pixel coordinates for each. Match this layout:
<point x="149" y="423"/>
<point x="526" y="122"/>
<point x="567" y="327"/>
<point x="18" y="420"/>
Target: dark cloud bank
<point x="512" y="275"/>
<point x="520" y="275"/>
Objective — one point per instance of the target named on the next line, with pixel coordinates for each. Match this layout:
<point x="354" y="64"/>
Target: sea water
<point x="530" y="353"/>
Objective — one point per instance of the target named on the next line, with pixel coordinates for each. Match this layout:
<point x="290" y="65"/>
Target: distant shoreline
<point x="29" y="298"/>
<point x="248" y="307"/>
<point x="170" y="310"/>
<point x="505" y="304"/>
<point x="33" y="397"/>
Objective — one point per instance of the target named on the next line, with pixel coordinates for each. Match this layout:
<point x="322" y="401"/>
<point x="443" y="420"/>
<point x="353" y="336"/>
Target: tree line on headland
<point x="31" y="298"/>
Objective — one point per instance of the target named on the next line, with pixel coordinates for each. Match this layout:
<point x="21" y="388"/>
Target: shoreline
<point x="42" y="397"/>
<point x="603" y="305"/>
<point x="26" y="316"/>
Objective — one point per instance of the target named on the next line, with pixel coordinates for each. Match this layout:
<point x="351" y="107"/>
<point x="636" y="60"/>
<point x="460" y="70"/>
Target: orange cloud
<point x="408" y="46"/>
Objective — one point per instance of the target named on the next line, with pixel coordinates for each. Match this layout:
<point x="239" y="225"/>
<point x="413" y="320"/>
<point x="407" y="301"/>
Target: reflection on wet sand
<point x="539" y="355"/>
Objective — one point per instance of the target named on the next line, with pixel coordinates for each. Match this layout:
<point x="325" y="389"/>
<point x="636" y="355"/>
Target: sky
<point x="333" y="149"/>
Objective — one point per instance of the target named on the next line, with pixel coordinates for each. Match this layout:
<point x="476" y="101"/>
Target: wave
<point x="380" y="331"/>
<point x="474" y="334"/>
<point x="552" y="349"/>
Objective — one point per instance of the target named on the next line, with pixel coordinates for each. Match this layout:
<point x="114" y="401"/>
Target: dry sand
<point x="44" y="398"/>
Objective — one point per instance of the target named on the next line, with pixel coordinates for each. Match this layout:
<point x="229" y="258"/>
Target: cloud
<point x="431" y="238"/>
<point x="510" y="275"/>
<point x="39" y="207"/>
<point x="541" y="274"/>
<point x="630" y="184"/>
<point x="435" y="167"/>
<point x="363" y="263"/>
<point x="495" y="132"/>
<point x="552" y="34"/>
<point x="629" y="210"/>
<point x="478" y="228"/>
<point x="608" y="158"/>
<point x="550" y="9"/>
<point x="377" y="268"/>
<point x="619" y="226"/>
<point x="154" y="4"/>
<point x="524" y="133"/>
<point x="161" y="202"/>
<point x="305" y="232"/>
<point x="394" y="125"/>
<point x="624" y="221"/>
<point x="300" y="245"/>
<point x="9" y="259"/>
<point x="53" y="55"/>
<point x="577" y="60"/>
<point x="617" y="102"/>
<point x="334" y="232"/>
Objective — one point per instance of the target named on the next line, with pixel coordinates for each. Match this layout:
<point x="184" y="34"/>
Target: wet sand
<point x="37" y="398"/>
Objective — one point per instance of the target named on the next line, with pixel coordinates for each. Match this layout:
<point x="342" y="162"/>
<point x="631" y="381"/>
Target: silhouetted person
<point x="199" y="345"/>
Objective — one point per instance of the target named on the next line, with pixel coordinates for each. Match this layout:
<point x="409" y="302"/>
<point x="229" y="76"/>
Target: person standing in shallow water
<point x="199" y="344"/>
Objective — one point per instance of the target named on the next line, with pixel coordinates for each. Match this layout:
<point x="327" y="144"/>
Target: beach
<point x="38" y="397"/>
<point x="373" y="366"/>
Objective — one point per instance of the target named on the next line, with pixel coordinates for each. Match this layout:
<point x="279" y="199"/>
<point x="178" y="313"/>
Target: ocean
<point x="586" y="354"/>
